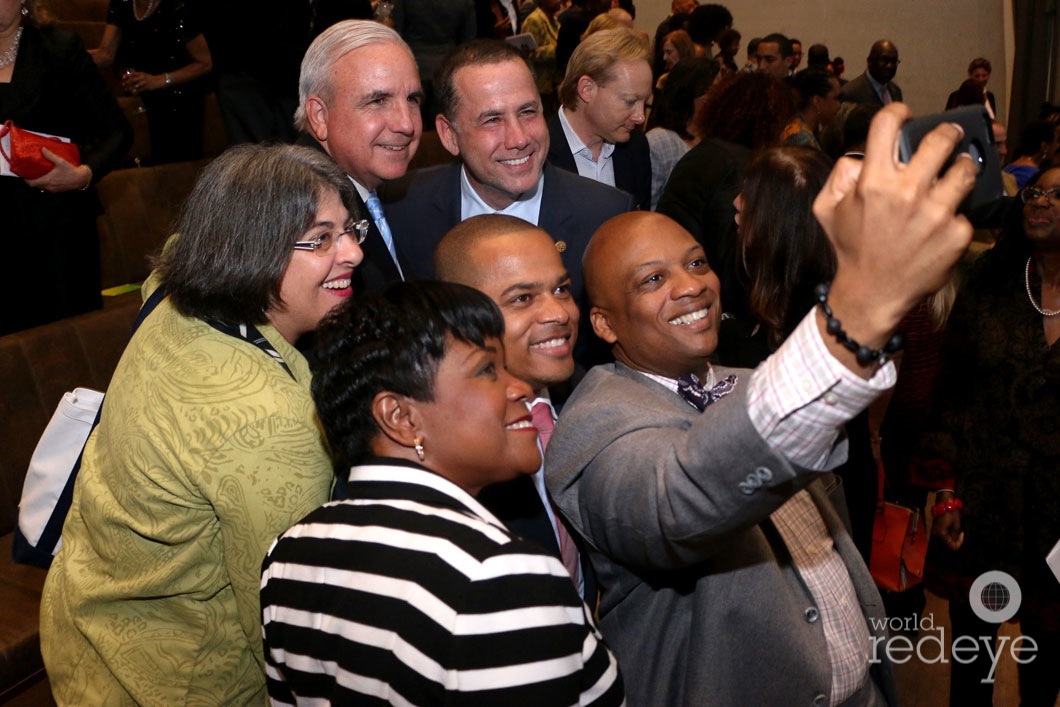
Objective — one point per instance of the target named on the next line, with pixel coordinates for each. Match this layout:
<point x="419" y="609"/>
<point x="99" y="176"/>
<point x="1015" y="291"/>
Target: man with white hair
<point x="359" y="101"/>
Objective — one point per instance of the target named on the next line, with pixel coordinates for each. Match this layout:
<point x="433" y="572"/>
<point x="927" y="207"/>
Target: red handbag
<point x="899" y="543"/>
<point x="25" y="156"/>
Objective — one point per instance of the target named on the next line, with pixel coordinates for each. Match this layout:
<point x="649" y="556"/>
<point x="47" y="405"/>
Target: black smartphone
<point x="978" y="141"/>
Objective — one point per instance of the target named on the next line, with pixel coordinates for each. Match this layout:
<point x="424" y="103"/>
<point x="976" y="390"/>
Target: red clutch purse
<point x="24" y="151"/>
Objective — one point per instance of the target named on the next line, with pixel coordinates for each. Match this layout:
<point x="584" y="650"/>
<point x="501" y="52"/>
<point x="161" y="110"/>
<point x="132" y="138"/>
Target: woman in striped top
<point x="411" y="592"/>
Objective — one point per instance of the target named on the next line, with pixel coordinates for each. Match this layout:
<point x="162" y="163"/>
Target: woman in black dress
<point x="158" y="47"/>
<point x="48" y="84"/>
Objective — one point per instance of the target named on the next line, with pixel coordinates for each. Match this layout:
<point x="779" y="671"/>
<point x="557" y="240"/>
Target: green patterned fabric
<point x="206" y="451"/>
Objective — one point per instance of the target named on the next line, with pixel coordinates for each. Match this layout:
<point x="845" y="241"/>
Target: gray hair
<point x="334" y="43"/>
<point x="239" y="225"/>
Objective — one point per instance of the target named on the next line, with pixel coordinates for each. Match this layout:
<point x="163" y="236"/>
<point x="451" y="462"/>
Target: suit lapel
<point x="559" y="152"/>
<point x="555" y="212"/>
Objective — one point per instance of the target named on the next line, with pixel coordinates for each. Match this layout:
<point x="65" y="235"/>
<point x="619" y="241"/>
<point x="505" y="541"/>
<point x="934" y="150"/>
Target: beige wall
<point x="935" y="38"/>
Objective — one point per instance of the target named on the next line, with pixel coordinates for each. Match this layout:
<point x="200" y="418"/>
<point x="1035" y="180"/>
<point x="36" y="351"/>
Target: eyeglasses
<point x="358" y="230"/>
<point x="1030" y="194"/>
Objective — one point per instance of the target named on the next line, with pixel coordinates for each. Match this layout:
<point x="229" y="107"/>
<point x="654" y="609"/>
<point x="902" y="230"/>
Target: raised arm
<point x="894" y="228"/>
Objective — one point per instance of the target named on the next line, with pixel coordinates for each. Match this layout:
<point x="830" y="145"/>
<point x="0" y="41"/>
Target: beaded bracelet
<point x="864" y="354"/>
<point x="953" y="504"/>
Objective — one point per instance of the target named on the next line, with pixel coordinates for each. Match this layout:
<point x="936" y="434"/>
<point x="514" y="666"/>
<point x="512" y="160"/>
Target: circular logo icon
<point x="995" y="596"/>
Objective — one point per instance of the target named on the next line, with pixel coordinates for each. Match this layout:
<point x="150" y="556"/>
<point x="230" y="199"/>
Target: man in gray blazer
<point x="876" y="86"/>
<point x="727" y="575"/>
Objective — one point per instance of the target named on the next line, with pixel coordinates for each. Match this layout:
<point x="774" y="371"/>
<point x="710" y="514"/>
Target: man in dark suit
<point x="491" y="118"/>
<point x="517" y="265"/>
<point x="876" y="86"/>
<point x="704" y="492"/>
<point x="596" y="132"/>
<point x="359" y="101"/>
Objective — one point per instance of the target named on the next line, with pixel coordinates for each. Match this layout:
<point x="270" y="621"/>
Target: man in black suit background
<point x="876" y="86"/>
<point x="517" y="265"/>
<point x="596" y="132"/>
<point x="359" y="101"/>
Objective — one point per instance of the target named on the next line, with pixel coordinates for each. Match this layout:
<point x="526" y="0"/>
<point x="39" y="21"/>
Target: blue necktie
<point x="689" y="388"/>
<point x="375" y="208"/>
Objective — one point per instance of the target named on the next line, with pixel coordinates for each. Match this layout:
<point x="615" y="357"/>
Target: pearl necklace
<point x="7" y="58"/>
<point x="1027" y="281"/>
<point x="140" y="16"/>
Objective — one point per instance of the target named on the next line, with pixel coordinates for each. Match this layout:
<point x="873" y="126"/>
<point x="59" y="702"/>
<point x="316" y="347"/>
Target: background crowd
<point x="210" y="449"/>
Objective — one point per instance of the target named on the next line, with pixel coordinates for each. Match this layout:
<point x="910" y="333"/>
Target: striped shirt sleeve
<point x="800" y="396"/>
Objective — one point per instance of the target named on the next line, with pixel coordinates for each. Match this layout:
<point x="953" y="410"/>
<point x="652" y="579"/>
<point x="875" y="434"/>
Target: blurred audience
<point x="48" y="84"/>
<point x="1036" y="150"/>
<point x="742" y="114"/>
<point x="161" y="55"/>
<point x="973" y="90"/>
<point x="673" y="131"/>
<point x="432" y="29"/>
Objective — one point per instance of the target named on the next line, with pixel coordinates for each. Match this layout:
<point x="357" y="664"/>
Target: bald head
<point x="655" y="298"/>
<point x="518" y="266"/>
<point x="453" y="256"/>
<point x="604" y="247"/>
<point x="883" y="60"/>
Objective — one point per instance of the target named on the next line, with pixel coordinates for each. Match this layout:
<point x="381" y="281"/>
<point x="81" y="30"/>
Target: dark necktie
<point x="697" y="396"/>
<point x="541" y="414"/>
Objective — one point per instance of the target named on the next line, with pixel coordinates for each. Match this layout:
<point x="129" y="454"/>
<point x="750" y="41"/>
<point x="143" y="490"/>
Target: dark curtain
<point x="1036" y="62"/>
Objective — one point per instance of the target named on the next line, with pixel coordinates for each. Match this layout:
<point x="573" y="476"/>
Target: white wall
<point x="935" y="38"/>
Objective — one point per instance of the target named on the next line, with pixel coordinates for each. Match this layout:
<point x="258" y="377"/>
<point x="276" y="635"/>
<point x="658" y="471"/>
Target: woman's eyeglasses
<point x="357" y="230"/>
<point x="1030" y="194"/>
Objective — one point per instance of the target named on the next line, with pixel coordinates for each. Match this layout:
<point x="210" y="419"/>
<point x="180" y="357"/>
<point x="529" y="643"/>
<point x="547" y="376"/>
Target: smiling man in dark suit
<point x="359" y="101"/>
<point x="492" y="119"/>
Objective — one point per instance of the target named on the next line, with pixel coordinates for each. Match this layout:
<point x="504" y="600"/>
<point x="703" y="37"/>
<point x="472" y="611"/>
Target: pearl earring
<point x="419" y="449"/>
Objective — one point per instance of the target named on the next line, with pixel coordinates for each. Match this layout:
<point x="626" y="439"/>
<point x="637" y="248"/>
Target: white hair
<point x="334" y="43"/>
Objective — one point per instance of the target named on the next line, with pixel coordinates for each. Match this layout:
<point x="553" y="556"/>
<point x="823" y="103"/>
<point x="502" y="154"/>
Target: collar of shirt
<point x="671" y="383"/>
<point x="406" y="473"/>
<point x="542" y="397"/>
<point x="601" y="170"/>
<point x="878" y="87"/>
<point x="528" y="208"/>
<point x="361" y="190"/>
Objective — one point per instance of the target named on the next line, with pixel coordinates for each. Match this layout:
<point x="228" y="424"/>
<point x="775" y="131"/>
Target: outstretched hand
<point x="894" y="227"/>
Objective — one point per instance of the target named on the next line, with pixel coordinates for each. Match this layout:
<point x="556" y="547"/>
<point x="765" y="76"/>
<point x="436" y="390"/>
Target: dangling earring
<point x="419" y="449"/>
<point x="25" y="11"/>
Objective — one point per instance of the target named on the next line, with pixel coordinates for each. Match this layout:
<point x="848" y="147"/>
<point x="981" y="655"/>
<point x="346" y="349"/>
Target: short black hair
<point x="473" y="53"/>
<point x="392" y="340"/>
<point x="782" y="42"/>
<point x="810" y="83"/>
<point x="687" y="81"/>
<point x="707" y="22"/>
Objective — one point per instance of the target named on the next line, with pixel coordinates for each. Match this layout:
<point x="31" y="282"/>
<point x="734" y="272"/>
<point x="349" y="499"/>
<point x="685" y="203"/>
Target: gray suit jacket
<point x="860" y="90"/>
<point x="700" y="601"/>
